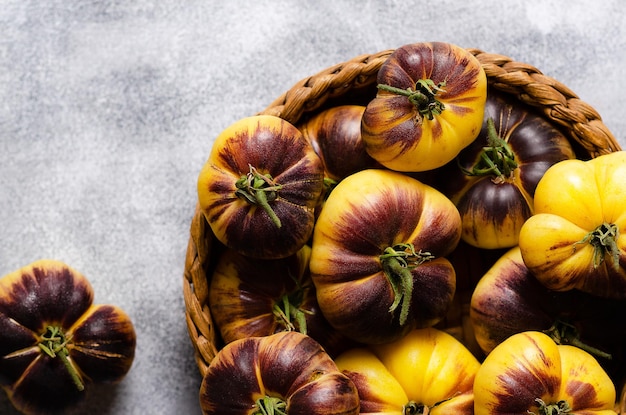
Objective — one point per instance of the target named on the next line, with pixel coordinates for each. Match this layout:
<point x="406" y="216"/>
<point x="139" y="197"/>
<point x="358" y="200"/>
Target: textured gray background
<point x="108" y="110"/>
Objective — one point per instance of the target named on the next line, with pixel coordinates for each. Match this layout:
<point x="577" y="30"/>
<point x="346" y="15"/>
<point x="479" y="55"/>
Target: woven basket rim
<point x="520" y="80"/>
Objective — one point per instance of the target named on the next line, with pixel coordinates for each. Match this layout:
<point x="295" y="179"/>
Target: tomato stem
<point x="397" y="262"/>
<point x="496" y="159"/>
<point x="563" y="332"/>
<point x="329" y="186"/>
<point x="604" y="241"/>
<point x="54" y="344"/>
<point x="413" y="408"/>
<point x="259" y="189"/>
<point x="559" y="408"/>
<point x="269" y="405"/>
<point x="288" y="312"/>
<point x="423" y="97"/>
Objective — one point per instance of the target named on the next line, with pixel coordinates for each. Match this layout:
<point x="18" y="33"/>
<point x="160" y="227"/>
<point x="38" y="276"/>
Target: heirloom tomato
<point x="529" y="373"/>
<point x="335" y="134"/>
<point x="429" y="106"/>
<point x="493" y="180"/>
<point x="426" y="372"/>
<point x="283" y="373"/>
<point x="258" y="297"/>
<point x="377" y="258"/>
<point x="259" y="187"/>
<point x="508" y="299"/>
<point x="577" y="237"/>
<point x="54" y="342"/>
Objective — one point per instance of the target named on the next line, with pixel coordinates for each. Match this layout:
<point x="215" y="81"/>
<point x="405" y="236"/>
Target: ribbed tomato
<point x="378" y="255"/>
<point x="493" y="180"/>
<point x="259" y="187"/>
<point x="529" y="373"/>
<point x="55" y="344"/>
<point x="426" y="372"/>
<point x="508" y="299"/>
<point x="284" y="373"/>
<point x="251" y="297"/>
<point x="335" y="135"/>
<point x="577" y="237"/>
<point x="429" y="106"/>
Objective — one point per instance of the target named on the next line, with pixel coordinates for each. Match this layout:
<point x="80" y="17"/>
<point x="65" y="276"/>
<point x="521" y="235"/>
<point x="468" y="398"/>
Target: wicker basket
<point x="354" y="82"/>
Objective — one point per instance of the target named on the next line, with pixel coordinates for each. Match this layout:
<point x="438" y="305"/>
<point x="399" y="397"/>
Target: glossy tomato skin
<point x="494" y="203"/>
<point x="427" y="370"/>
<point x="508" y="299"/>
<point x="370" y="213"/>
<point x="335" y="135"/>
<point x="289" y="368"/>
<point x="251" y="297"/>
<point x="48" y="306"/>
<point x="577" y="237"/>
<point x="529" y="370"/>
<point x="273" y="154"/>
<point x="398" y="134"/>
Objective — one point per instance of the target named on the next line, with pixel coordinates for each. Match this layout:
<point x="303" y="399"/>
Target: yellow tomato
<point x="427" y="371"/>
<point x="529" y="373"/>
<point x="430" y="105"/>
<point x="577" y="237"/>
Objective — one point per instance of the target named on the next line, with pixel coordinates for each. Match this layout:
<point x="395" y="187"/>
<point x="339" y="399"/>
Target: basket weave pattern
<point x="526" y="83"/>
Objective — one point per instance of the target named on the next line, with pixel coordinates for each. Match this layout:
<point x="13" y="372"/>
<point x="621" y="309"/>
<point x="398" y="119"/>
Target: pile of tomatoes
<point x="345" y="240"/>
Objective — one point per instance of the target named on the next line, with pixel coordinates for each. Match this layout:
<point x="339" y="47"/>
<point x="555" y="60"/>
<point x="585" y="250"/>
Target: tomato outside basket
<point x="354" y="82"/>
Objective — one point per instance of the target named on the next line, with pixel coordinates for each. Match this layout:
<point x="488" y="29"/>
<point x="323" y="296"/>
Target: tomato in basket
<point x="427" y="371"/>
<point x="257" y="297"/>
<point x="259" y="187"/>
<point x="429" y="106"/>
<point x="335" y="134"/>
<point x="529" y="373"/>
<point x="492" y="181"/>
<point x="284" y="373"/>
<point x="378" y="255"/>
<point x="577" y="237"/>
<point x="508" y="299"/>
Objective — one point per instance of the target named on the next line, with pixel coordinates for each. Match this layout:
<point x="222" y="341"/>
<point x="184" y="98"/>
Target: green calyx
<point x="563" y="332"/>
<point x="558" y="408"/>
<point x="260" y="190"/>
<point x="496" y="158"/>
<point x="54" y="344"/>
<point x="397" y="262"/>
<point x="424" y="97"/>
<point x="329" y="186"/>
<point x="414" y="408"/>
<point x="288" y="312"/>
<point x="269" y="405"/>
<point x="604" y="241"/>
